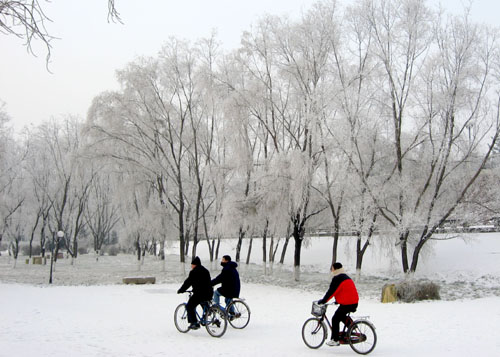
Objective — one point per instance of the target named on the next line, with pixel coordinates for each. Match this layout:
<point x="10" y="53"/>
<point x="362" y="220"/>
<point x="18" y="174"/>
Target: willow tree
<point x="160" y="124"/>
<point x="441" y="108"/>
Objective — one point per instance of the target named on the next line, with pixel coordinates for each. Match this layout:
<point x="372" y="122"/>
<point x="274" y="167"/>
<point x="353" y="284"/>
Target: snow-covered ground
<point x="88" y="312"/>
<point x="138" y="321"/>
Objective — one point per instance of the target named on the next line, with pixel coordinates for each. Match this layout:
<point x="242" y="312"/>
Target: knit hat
<point x="337" y="266"/>
<point x="196" y="261"/>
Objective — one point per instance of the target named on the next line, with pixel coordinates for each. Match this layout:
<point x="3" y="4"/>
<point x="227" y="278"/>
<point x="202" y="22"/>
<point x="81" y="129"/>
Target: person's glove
<point x="179" y="291"/>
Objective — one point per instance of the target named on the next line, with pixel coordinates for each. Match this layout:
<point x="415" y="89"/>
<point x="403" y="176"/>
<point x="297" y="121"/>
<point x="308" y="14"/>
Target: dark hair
<point x="227" y="258"/>
<point x="336" y="266"/>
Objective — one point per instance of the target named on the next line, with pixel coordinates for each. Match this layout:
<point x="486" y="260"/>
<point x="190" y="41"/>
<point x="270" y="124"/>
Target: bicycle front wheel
<point x="215" y="321"/>
<point x="314" y="332"/>
<point x="362" y="337"/>
<point x="238" y="314"/>
<point x="180" y="318"/>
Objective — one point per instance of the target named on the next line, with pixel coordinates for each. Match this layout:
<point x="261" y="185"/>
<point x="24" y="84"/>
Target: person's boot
<point x="194" y="326"/>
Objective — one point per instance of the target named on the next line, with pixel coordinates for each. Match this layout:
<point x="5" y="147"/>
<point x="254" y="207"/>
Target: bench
<point x="140" y="280"/>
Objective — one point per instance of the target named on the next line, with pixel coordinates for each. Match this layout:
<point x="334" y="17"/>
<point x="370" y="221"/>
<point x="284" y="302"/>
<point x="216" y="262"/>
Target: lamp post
<point x="60" y="234"/>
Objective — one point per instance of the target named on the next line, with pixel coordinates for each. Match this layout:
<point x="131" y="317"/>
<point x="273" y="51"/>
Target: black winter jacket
<point x="199" y="279"/>
<point x="229" y="280"/>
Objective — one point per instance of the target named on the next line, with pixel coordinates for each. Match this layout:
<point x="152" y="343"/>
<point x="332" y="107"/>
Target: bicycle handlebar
<point x="328" y="303"/>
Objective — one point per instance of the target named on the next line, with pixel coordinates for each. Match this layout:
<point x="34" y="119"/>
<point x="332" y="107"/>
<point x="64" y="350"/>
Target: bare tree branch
<point x="26" y="19"/>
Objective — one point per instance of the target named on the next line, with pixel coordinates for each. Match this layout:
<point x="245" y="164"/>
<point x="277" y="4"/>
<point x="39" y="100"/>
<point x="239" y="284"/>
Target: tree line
<point x="380" y="116"/>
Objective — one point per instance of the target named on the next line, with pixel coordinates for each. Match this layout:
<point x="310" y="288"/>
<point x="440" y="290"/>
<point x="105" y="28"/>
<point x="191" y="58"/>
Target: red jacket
<point x="343" y="289"/>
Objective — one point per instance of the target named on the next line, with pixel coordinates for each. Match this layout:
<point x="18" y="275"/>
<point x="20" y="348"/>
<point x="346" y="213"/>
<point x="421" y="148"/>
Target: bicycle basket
<point x="317" y="309"/>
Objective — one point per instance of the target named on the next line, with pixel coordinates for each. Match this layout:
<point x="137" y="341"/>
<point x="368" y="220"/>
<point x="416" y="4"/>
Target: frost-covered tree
<point x="67" y="181"/>
<point x="39" y="170"/>
<point x="143" y="219"/>
<point x="302" y="50"/>
<point x="161" y="123"/>
<point x="101" y="212"/>
<point x="12" y="196"/>
<point x="438" y="81"/>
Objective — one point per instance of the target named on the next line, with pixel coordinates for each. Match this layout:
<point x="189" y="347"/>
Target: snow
<point x="88" y="312"/>
<point x="119" y="320"/>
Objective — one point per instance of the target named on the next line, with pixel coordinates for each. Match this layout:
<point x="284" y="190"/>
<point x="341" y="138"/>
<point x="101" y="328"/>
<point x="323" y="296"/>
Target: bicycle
<point x="238" y="313"/>
<point x="212" y="317"/>
<point x="359" y="333"/>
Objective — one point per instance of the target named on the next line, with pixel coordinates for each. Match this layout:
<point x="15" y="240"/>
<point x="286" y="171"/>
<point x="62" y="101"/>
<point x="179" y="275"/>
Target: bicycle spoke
<point x="216" y="322"/>
<point x="313" y="333"/>
<point x="362" y="337"/>
<point x="180" y="318"/>
<point x="238" y="314"/>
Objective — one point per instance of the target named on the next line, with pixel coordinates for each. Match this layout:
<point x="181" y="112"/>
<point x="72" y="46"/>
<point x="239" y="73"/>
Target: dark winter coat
<point x="229" y="280"/>
<point x="199" y="279"/>
<point x="343" y="289"/>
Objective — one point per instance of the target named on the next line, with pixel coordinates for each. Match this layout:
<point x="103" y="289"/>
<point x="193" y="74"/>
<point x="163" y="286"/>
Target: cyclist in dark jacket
<point x="343" y="289"/>
<point x="199" y="279"/>
<point x="229" y="280"/>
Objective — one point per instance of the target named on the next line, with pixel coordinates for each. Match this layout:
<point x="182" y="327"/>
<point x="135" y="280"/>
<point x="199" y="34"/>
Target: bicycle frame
<point x="205" y="305"/>
<point x="211" y="317"/>
<point x="349" y="320"/>
<point x="223" y="308"/>
<point x="358" y="332"/>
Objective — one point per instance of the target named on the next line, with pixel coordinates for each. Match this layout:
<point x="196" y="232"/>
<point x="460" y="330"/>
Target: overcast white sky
<point x="90" y="49"/>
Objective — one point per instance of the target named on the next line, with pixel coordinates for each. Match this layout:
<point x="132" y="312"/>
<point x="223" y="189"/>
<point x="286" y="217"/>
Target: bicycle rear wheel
<point x="314" y="332"/>
<point x="215" y="321"/>
<point x="180" y="318"/>
<point x="238" y="314"/>
<point x="362" y="337"/>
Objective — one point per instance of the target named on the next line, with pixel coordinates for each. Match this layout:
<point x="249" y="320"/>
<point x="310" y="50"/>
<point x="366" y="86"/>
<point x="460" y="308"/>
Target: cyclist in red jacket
<point x="343" y="289"/>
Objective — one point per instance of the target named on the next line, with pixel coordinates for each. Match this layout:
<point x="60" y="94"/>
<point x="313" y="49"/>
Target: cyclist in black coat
<point x="229" y="280"/>
<point x="199" y="279"/>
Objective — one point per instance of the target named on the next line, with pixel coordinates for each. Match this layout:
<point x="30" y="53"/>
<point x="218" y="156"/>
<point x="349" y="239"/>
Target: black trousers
<point x="340" y="315"/>
<point x="191" y="308"/>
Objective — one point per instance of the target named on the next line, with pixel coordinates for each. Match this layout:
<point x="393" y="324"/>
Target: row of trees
<point x="378" y="117"/>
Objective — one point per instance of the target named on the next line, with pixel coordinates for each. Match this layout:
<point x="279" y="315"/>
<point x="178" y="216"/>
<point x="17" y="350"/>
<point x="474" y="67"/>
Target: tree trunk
<point x="217" y="249"/>
<point x="249" y="251"/>
<point x="298" y="236"/>
<point x="404" y="251"/>
<point x="195" y="244"/>
<point x="187" y="241"/>
<point x="162" y="249"/>
<point x="283" y="250"/>
<point x="416" y="254"/>
<point x="211" y="245"/>
<point x="138" y="248"/>
<point x="264" y="243"/>
<point x="241" y="235"/>
<point x="181" y="232"/>
<point x="271" y="250"/>
<point x="296" y="257"/>
<point x="335" y="246"/>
